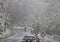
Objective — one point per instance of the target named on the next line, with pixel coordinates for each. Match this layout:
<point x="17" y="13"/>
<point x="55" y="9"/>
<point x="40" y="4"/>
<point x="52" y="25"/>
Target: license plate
<point x="28" y="40"/>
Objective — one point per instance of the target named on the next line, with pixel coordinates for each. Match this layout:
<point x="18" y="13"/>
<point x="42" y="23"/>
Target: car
<point x="30" y="38"/>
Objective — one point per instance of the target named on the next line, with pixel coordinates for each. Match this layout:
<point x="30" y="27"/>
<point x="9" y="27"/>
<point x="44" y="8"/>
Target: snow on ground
<point x="19" y="34"/>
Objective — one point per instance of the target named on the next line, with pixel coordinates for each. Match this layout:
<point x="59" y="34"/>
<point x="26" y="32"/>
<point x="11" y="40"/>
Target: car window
<point x="37" y="37"/>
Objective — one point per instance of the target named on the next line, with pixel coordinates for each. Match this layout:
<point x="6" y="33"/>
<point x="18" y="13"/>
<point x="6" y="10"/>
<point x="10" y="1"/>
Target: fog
<point x="24" y="12"/>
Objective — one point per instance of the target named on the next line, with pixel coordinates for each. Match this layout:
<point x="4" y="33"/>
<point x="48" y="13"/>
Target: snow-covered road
<point x="19" y="34"/>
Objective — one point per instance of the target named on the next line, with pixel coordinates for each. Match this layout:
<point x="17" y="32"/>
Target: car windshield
<point x="29" y="37"/>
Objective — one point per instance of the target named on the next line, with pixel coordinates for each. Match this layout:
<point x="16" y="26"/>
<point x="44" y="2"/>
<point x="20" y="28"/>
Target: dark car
<point x="31" y="38"/>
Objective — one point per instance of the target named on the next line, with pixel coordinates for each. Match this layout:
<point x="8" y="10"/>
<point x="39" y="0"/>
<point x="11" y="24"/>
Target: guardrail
<point x="50" y="36"/>
<point x="56" y="36"/>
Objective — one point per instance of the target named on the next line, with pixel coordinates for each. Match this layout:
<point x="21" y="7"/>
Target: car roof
<point x="30" y="35"/>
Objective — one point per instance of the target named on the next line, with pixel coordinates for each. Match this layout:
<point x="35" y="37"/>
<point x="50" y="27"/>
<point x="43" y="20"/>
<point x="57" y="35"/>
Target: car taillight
<point x="23" y="41"/>
<point x="34" y="41"/>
